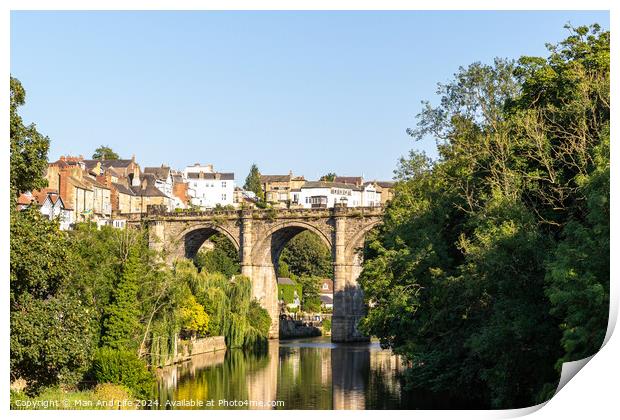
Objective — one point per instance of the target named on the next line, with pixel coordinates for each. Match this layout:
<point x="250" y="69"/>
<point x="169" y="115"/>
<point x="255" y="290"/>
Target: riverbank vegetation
<point x="94" y="309"/>
<point x="491" y="268"/>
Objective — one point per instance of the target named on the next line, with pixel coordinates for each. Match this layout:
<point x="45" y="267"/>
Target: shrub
<point x="194" y="319"/>
<point x="114" y="397"/>
<point x="259" y="318"/>
<point x="123" y="367"/>
<point x="327" y="324"/>
<point x="52" y="340"/>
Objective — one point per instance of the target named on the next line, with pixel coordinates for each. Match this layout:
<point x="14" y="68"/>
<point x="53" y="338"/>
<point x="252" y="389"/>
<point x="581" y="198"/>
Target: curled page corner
<point x="569" y="370"/>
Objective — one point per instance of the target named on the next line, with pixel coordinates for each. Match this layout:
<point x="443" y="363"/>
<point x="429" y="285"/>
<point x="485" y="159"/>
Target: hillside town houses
<point x="115" y="191"/>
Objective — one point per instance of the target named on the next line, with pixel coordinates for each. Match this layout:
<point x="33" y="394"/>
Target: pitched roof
<point x="326" y="184"/>
<point x="122" y="189"/>
<point x="357" y="180"/>
<point x="148" y="191"/>
<point x="160" y="172"/>
<point x="107" y="163"/>
<point x="55" y="198"/>
<point x="41" y="195"/>
<point x="76" y="182"/>
<point x="330" y="286"/>
<point x="275" y="178"/>
<point x="223" y="176"/>
<point x="326" y="300"/>
<point x="95" y="183"/>
<point x="385" y="184"/>
<point x="61" y="163"/>
<point x="25" y="198"/>
<point x="113" y="172"/>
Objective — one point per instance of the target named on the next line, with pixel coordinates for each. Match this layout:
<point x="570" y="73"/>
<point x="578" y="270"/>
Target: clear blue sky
<point x="309" y="91"/>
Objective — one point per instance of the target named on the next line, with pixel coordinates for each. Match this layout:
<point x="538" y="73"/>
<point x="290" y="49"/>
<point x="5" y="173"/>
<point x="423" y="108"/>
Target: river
<point x="290" y="374"/>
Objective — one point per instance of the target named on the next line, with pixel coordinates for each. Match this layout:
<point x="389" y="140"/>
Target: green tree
<point x="307" y="255"/>
<point x="329" y="177"/>
<point x="52" y="340"/>
<point x="40" y="255"/>
<point x="259" y="318"/>
<point x="122" y="316"/>
<point x="229" y="304"/>
<point x="489" y="254"/>
<point x="223" y="258"/>
<point x="310" y="299"/>
<point x="105" y="152"/>
<point x="97" y="263"/>
<point x="28" y="148"/>
<point x="578" y="273"/>
<point x="253" y="183"/>
<point x="53" y="331"/>
<point x="216" y="261"/>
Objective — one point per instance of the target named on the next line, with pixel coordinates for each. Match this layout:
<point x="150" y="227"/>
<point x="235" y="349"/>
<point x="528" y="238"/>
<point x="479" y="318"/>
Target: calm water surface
<point x="292" y="374"/>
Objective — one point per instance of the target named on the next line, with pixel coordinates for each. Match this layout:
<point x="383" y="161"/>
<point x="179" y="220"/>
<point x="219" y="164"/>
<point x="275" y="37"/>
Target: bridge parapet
<point x="270" y="213"/>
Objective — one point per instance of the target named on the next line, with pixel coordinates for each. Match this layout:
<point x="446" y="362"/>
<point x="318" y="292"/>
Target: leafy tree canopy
<point x="252" y="182"/>
<point x="306" y="255"/>
<point x="105" y="152"/>
<point x="329" y="177"/>
<point x="28" y="147"/>
<point x="491" y="267"/>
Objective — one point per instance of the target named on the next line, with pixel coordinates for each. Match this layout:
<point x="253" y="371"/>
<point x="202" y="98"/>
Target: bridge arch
<point x="268" y="248"/>
<point x="356" y="242"/>
<point x="189" y="241"/>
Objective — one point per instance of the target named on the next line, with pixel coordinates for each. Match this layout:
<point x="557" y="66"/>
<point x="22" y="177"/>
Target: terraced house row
<point x="111" y="192"/>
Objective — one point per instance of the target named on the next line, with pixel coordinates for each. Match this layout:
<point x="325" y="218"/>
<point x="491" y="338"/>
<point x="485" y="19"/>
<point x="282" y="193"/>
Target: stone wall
<point x="193" y="347"/>
<point x="297" y="329"/>
<point x="207" y="345"/>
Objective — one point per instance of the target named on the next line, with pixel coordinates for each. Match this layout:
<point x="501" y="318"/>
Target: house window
<point x="223" y="197"/>
<point x="223" y="184"/>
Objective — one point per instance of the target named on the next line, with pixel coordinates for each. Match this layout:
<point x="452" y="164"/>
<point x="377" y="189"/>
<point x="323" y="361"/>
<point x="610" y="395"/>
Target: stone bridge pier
<point x="261" y="235"/>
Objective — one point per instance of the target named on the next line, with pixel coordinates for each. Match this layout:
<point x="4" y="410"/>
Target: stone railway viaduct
<point x="260" y="236"/>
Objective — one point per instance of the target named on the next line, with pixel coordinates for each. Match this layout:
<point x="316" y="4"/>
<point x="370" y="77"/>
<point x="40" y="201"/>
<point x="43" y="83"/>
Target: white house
<point x="326" y="293"/>
<point x="208" y="188"/>
<point x="51" y="206"/>
<point x="370" y="196"/>
<point x="321" y="194"/>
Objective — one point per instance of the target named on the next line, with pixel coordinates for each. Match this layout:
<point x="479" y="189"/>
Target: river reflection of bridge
<point x="304" y="374"/>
